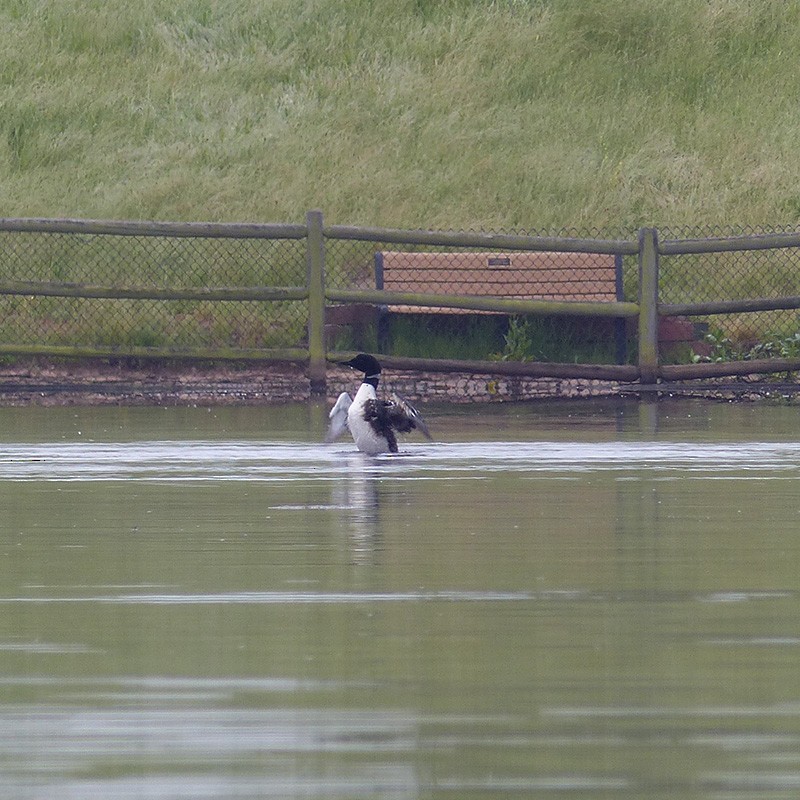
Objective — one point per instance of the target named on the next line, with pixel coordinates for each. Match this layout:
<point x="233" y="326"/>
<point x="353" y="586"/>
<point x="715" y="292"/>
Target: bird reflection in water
<point x="356" y="495"/>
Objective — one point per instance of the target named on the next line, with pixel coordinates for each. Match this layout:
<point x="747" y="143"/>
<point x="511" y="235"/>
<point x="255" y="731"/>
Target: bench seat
<point x="518" y="275"/>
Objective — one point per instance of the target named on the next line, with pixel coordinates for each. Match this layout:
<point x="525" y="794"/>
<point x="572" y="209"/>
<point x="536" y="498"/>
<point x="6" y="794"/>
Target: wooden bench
<point x="519" y="275"/>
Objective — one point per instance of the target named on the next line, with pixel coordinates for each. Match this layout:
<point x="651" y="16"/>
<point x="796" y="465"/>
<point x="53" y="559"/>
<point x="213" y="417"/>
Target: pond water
<point x="582" y="599"/>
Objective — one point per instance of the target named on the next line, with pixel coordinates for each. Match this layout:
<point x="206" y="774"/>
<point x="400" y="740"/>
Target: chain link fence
<point x="195" y="262"/>
<point x="155" y="263"/>
<point x="709" y="277"/>
<point x="456" y="334"/>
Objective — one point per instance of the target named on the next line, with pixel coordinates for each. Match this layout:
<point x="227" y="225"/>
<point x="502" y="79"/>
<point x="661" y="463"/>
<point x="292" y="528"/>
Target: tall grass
<point x="526" y="114"/>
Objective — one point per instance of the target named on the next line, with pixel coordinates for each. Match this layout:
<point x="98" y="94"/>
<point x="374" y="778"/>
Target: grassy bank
<point x="449" y="113"/>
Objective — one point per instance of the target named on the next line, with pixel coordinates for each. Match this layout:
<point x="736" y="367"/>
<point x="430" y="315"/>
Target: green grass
<point x="536" y="115"/>
<point x="451" y="336"/>
<point x="128" y="323"/>
<point x="503" y="114"/>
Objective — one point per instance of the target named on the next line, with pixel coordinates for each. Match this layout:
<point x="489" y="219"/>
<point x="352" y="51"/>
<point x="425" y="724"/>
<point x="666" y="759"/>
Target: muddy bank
<point x="104" y="383"/>
<point x="86" y="383"/>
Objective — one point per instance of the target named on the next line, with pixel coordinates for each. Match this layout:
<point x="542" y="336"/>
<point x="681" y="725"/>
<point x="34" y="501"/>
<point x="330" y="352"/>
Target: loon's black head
<point x="364" y="363"/>
<point x="368" y="365"/>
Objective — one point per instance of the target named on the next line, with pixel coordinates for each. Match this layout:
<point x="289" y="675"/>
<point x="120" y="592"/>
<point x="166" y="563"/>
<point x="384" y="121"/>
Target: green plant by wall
<point x="723" y="348"/>
<point x="562" y="339"/>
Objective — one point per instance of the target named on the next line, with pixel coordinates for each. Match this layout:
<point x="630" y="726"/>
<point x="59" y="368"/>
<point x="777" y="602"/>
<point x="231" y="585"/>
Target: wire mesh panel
<point x="437" y="332"/>
<point x="738" y="275"/>
<point x="150" y="262"/>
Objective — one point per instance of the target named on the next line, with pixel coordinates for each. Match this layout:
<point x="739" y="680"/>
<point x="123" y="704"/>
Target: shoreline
<point x="93" y="383"/>
<point x="96" y="383"/>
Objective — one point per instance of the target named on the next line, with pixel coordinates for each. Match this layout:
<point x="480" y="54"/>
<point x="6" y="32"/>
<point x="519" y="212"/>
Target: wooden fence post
<point x="315" y="265"/>
<point x="648" y="305"/>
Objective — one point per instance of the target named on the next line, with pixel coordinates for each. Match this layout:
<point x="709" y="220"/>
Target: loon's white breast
<point x="368" y="436"/>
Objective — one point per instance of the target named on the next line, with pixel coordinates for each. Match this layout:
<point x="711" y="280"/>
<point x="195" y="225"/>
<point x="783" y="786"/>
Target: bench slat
<point x="547" y="292"/>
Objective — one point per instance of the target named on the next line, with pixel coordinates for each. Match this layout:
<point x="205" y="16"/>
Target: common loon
<point x="371" y="421"/>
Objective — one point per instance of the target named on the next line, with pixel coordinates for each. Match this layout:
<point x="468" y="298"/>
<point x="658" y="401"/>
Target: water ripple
<point x="566" y="596"/>
<point x="281" y="461"/>
<point x="280" y="598"/>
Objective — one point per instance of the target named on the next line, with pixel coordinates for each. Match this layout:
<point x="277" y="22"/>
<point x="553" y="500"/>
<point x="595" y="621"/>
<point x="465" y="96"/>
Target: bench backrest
<point x="549" y="276"/>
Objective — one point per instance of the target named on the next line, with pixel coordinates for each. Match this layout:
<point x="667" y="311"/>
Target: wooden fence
<point x="645" y="309"/>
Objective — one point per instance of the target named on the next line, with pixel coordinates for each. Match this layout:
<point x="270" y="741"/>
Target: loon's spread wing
<point x="387" y="416"/>
<point x="404" y="418"/>
<point x="338" y="417"/>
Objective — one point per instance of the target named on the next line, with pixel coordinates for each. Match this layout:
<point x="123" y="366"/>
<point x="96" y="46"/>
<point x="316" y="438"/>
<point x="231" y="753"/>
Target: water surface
<point x="582" y="599"/>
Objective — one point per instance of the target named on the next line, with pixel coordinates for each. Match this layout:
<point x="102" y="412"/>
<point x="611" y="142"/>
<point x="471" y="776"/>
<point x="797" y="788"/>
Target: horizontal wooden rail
<point x="613" y="372"/>
<point x="728" y="306"/>
<point x="771" y="241"/>
<point x="34" y="288"/>
<point x="480" y="303"/>
<point x="532" y="369"/>
<point x="718" y="369"/>
<point x="282" y="354"/>
<point x="204" y="230"/>
<point x="488" y="241"/>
